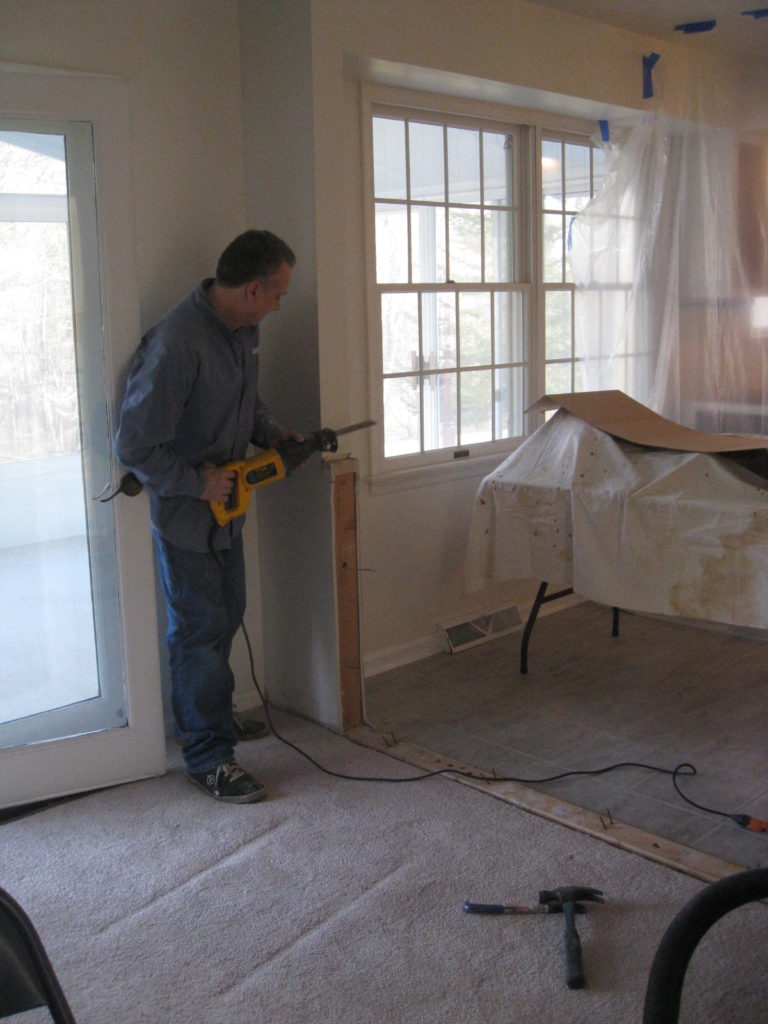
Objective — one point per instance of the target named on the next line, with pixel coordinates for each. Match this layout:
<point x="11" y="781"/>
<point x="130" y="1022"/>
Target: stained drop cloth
<point x="648" y="529"/>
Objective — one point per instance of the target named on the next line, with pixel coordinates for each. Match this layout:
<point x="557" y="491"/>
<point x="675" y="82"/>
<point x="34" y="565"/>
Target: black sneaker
<point x="230" y="783"/>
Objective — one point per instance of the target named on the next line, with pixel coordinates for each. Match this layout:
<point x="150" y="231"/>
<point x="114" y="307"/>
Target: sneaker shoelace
<point x="232" y="771"/>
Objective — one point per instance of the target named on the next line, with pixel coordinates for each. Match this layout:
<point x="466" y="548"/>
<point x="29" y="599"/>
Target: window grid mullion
<point x="409" y="200"/>
<point x="481" y="164"/>
<point x="446" y="206"/>
<point x="563" y="228"/>
<point x="457" y="308"/>
<point x="421" y="377"/>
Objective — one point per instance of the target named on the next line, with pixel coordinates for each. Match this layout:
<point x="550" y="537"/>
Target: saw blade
<point x="355" y="426"/>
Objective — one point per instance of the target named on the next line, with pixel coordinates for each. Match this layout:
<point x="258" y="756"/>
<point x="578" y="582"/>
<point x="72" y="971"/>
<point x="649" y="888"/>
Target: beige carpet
<point x="341" y="901"/>
<point x="660" y="693"/>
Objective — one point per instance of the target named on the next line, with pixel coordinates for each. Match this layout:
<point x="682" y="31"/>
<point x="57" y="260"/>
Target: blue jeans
<point x="205" y="600"/>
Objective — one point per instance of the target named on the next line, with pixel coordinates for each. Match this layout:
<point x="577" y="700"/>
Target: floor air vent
<point x="481" y="629"/>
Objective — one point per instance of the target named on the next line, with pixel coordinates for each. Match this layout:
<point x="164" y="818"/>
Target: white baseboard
<point x="395" y="657"/>
<point x="426" y="646"/>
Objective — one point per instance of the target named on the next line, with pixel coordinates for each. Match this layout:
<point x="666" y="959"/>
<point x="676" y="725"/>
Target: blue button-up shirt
<point x="191" y="398"/>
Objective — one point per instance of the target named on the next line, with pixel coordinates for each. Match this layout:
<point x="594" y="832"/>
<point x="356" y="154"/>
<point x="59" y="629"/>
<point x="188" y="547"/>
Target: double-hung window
<point x="473" y="303"/>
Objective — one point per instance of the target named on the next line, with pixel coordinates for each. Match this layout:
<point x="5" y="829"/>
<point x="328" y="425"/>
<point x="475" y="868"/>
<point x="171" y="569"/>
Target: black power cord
<point x="744" y="820"/>
<point x="753" y="824"/>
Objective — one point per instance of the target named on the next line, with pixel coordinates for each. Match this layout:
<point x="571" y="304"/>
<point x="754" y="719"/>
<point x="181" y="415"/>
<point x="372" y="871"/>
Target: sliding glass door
<point x="80" y="700"/>
<point x="60" y="659"/>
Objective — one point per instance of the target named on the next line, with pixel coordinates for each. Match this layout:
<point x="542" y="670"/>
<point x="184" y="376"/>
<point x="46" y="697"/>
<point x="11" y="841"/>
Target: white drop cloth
<point x="668" y="532"/>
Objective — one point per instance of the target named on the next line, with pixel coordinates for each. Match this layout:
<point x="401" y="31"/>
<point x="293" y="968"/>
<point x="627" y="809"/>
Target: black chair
<point x="27" y="979"/>
<point x="679" y="942"/>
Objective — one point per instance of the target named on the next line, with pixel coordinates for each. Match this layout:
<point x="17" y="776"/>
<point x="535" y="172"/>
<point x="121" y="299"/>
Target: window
<point x="473" y="325"/>
<point x="570" y="175"/>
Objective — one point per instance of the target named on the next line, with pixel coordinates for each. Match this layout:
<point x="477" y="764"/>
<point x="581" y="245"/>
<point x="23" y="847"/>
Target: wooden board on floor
<point x="625" y="837"/>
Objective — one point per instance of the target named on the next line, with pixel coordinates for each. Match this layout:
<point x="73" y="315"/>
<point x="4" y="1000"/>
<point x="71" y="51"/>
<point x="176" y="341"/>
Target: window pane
<point x="627" y="250"/>
<point x="389" y="177"/>
<point x="499" y="246"/>
<point x="438" y="318"/>
<point x="440" y="410"/>
<point x="476" y="405"/>
<point x="428" y="243"/>
<point x="427" y="156"/>
<point x="509" y="402"/>
<point x="474" y="328"/>
<point x="498" y="156"/>
<point x="465" y="245"/>
<point x="553" y="248"/>
<point x="577" y="181"/>
<point x="463" y="165"/>
<point x="509" y="327"/>
<point x="399" y="332"/>
<point x="558" y="338"/>
<point x="32" y="164"/>
<point x="598" y="169"/>
<point x="558" y="379"/>
<point x="401" y="416"/>
<point x="39" y="412"/>
<point x="551" y="175"/>
<point x="391" y="243"/>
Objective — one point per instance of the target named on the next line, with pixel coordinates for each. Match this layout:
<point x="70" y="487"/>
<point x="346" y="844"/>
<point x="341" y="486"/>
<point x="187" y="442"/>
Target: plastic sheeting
<point x="673" y="533"/>
<point x="670" y="263"/>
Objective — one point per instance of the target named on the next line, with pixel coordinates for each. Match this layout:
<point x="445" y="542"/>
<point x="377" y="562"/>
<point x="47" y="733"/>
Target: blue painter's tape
<point x="649" y="63"/>
<point x="696" y="26"/>
<point x="569" y="236"/>
<point x="604" y="132"/>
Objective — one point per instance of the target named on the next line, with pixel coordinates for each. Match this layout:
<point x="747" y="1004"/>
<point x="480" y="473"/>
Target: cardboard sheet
<point x="667" y="531"/>
<point x="621" y="416"/>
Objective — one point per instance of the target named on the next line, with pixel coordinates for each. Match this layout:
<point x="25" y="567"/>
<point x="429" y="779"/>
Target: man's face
<point x="264" y="297"/>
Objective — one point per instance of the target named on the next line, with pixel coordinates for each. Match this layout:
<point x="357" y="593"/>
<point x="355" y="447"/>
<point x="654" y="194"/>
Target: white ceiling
<point x="734" y="32"/>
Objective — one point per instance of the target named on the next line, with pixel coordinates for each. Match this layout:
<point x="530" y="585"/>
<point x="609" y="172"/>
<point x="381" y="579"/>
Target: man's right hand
<point x="219" y="482"/>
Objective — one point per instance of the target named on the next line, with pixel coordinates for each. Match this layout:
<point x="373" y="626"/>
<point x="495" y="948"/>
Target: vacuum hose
<point x="665" y="983"/>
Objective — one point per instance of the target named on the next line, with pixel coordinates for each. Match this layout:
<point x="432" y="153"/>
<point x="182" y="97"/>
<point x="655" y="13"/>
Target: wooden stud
<point x="347" y="592"/>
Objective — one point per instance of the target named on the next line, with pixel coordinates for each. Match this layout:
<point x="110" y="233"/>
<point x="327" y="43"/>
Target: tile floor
<point x="660" y="694"/>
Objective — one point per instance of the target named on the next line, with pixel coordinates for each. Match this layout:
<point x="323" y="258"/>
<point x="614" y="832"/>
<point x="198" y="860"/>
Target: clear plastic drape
<point x="670" y="265"/>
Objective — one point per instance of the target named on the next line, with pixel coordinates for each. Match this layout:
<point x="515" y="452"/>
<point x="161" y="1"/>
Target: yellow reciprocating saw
<point x="265" y="468"/>
<point x="272" y="465"/>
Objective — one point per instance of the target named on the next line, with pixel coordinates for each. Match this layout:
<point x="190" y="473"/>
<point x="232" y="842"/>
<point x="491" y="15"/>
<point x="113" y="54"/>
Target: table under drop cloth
<point x="668" y="532"/>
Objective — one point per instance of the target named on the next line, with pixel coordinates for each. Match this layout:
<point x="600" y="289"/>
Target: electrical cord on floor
<point x="744" y="820"/>
<point x="753" y="824"/>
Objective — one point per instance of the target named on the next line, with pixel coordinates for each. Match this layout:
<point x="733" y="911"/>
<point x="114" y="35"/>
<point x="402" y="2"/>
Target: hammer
<point x="567" y="896"/>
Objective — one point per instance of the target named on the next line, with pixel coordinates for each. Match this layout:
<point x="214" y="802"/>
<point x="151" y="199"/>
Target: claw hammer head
<point x="569" y="894"/>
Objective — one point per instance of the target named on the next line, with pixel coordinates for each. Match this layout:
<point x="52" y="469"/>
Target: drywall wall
<point x="295" y="527"/>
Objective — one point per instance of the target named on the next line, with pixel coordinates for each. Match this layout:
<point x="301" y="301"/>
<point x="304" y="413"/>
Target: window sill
<point x="445" y="472"/>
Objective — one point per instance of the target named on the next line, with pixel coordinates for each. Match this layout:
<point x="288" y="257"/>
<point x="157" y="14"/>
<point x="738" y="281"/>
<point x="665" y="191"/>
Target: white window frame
<point x="449" y="463"/>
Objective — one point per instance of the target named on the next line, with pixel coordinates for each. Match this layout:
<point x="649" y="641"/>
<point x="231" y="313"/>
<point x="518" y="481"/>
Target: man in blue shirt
<point x="192" y="405"/>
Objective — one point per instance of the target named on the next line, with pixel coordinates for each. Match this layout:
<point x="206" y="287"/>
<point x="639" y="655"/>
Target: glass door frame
<point x="41" y="770"/>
